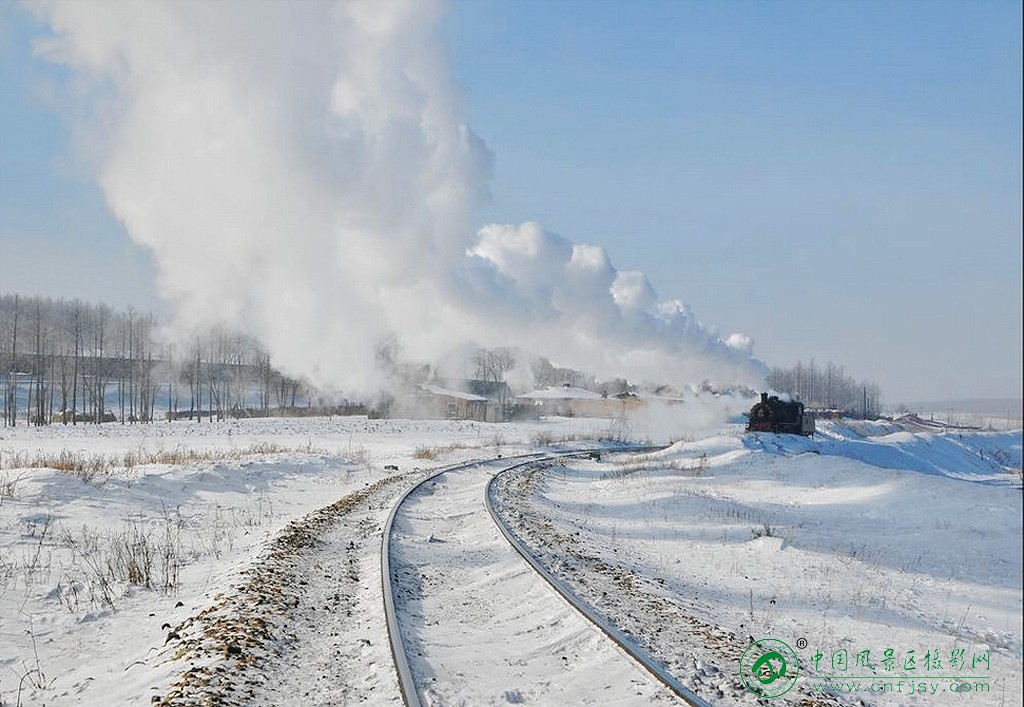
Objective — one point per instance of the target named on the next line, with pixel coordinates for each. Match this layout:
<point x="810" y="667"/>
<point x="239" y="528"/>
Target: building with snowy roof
<point x="569" y="401"/>
<point x="455" y="399"/>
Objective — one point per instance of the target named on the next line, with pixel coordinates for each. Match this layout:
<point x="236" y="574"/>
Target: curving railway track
<point x="474" y="619"/>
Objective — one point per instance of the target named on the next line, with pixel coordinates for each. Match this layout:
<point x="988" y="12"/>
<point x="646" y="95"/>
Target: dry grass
<point x="90" y="467"/>
<point x="424" y="452"/>
<point x="690" y="467"/>
<point x="142" y="553"/>
<point x="617" y="433"/>
<point x="93" y="565"/>
<point x="8" y="487"/>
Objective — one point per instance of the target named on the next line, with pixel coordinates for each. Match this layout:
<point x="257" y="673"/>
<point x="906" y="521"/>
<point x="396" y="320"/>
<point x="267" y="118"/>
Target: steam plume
<point x="301" y="171"/>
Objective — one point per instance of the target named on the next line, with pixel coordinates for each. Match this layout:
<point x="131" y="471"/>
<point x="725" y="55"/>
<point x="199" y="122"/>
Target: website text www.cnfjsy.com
<point x="958" y="686"/>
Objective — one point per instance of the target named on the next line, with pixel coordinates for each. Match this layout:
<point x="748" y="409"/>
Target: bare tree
<point x="264" y="374"/>
<point x="11" y="410"/>
<point x="493" y="364"/>
<point x="39" y="374"/>
<point x="89" y="361"/>
<point x="828" y="387"/>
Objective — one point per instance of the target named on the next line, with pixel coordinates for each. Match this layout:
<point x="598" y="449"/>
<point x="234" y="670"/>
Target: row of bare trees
<point x="828" y="387"/>
<point x="71" y="362"/>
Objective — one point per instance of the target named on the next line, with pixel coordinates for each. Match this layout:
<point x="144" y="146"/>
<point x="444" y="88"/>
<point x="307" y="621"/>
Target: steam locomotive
<point x="780" y="416"/>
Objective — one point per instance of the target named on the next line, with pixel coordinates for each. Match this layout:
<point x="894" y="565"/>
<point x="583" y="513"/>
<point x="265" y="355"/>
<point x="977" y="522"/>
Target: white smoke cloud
<point x="741" y="343"/>
<point x="633" y="292"/>
<point x="301" y="171"/>
<point x="571" y="301"/>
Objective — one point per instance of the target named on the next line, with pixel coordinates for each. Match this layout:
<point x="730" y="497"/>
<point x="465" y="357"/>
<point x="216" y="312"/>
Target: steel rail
<point x="641" y="656"/>
<point x="405" y="679"/>
<point x="406" y="682"/>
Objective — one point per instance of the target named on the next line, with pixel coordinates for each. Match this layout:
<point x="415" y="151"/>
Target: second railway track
<point x="473" y="621"/>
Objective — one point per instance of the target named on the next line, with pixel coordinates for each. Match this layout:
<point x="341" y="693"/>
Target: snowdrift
<point x="985" y="457"/>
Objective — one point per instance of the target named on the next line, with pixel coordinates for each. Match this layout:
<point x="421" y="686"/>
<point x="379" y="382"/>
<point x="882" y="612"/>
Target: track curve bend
<point x="472" y="617"/>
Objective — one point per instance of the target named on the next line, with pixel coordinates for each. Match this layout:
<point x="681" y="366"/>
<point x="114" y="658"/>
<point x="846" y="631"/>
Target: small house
<point x="432" y="402"/>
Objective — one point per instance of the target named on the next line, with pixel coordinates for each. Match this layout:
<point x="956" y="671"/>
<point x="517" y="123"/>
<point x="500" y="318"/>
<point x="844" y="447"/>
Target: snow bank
<point x="843" y="543"/>
<point x="987" y="457"/>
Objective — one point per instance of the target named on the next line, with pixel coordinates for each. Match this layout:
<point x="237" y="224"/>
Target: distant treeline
<point x="827" y="387"/>
<point x="69" y="362"/>
<point x="72" y="362"/>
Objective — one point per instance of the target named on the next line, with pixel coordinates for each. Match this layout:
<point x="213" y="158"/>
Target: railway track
<point x="452" y="625"/>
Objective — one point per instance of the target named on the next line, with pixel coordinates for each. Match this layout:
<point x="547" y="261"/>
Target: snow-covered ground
<point x="99" y="564"/>
<point x="241" y="558"/>
<point x="866" y="538"/>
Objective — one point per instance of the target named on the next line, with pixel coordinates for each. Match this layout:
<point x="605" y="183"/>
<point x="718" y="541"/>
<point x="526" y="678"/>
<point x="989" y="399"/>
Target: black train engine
<point x="780" y="416"/>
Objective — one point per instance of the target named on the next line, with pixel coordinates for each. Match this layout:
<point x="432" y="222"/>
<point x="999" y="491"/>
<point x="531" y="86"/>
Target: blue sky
<point x="51" y="210"/>
<point x="838" y="180"/>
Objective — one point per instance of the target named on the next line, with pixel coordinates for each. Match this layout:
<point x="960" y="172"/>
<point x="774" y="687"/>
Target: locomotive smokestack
<point x="764" y="397"/>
